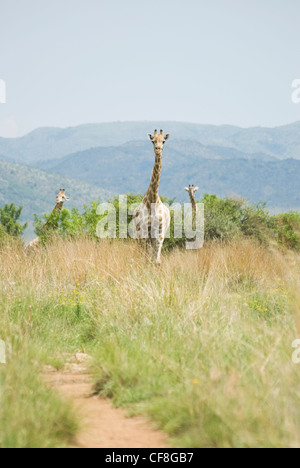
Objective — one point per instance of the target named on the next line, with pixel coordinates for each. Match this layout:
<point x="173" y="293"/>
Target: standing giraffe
<point x="192" y="190"/>
<point x="60" y="199"/>
<point x="152" y="218"/>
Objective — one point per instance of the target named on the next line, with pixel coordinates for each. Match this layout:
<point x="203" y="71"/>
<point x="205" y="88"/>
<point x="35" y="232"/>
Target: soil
<point x="102" y="425"/>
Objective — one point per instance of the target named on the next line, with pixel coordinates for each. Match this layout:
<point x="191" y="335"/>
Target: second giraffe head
<point x="61" y="197"/>
<point x="158" y="140"/>
<point x="191" y="189"/>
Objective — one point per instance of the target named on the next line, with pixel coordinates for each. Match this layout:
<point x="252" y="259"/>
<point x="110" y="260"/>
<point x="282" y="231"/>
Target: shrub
<point x="222" y="217"/>
<point x="75" y="224"/>
<point x="288" y="230"/>
<point x="9" y="220"/>
<point x="256" y="222"/>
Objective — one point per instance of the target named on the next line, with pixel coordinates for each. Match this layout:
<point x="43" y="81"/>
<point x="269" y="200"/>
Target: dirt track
<point x="102" y="425"/>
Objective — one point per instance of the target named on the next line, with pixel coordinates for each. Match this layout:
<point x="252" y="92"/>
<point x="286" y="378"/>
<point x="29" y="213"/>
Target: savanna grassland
<point x="202" y="345"/>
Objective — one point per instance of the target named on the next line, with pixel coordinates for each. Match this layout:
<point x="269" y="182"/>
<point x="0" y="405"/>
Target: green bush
<point x="9" y="221"/>
<point x="288" y="230"/>
<point x="73" y="224"/>
<point x="222" y="217"/>
<point x="228" y="218"/>
<point x="256" y="222"/>
<point x="64" y="222"/>
<point x="68" y="223"/>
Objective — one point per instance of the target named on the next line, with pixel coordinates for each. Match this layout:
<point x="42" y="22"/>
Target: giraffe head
<point x="61" y="197"/>
<point x="192" y="190"/>
<point x="158" y="140"/>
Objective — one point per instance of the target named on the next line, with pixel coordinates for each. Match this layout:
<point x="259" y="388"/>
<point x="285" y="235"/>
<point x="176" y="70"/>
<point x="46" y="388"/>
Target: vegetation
<point x="3" y="235"/>
<point x="225" y="220"/>
<point x="9" y="220"/>
<point x="288" y="230"/>
<point x="31" y="415"/>
<point x="201" y="345"/>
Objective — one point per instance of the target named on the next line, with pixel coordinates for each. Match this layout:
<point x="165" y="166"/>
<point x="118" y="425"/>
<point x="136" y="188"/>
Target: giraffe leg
<point x="142" y="243"/>
<point x="158" y="244"/>
<point x="157" y="251"/>
<point x="146" y="243"/>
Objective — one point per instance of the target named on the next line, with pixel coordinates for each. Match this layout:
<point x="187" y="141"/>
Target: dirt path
<point x="103" y="426"/>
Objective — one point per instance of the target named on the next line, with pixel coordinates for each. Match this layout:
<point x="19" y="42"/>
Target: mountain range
<point x="127" y="168"/>
<point x="51" y="143"/>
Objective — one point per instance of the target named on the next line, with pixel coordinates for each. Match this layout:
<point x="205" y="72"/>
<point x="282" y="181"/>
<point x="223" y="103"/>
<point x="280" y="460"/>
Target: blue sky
<point x="69" y="62"/>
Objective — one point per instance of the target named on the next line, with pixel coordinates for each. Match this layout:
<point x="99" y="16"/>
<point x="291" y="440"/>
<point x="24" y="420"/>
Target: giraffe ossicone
<point x="151" y="218"/>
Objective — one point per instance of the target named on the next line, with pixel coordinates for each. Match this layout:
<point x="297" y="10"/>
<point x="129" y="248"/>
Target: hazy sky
<point x="68" y="62"/>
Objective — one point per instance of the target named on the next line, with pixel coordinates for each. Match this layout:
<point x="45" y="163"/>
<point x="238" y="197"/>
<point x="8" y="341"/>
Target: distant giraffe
<point x="192" y="190"/>
<point x="152" y="218"/>
<point x="60" y="199"/>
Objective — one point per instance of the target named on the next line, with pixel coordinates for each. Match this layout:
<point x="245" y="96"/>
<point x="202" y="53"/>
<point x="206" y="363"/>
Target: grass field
<point x="202" y="345"/>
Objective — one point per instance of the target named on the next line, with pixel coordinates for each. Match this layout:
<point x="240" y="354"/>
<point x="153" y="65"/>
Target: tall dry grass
<point x="201" y="344"/>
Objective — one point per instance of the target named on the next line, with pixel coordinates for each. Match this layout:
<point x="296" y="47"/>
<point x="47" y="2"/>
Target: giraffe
<point x="151" y="219"/>
<point x="60" y="199"/>
<point x="192" y="190"/>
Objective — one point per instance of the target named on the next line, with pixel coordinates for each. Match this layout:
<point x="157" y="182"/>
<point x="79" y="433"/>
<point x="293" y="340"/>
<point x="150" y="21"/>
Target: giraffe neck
<point x="193" y="202"/>
<point x="194" y="210"/>
<point x="58" y="207"/>
<point x="152" y="192"/>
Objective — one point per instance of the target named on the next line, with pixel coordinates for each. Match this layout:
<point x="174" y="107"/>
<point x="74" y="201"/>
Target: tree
<point x="9" y="220"/>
